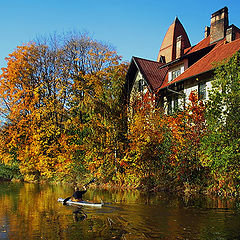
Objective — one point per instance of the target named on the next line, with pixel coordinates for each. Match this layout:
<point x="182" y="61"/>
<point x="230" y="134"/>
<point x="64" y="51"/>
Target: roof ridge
<point x="176" y="20"/>
<point x="149" y="60"/>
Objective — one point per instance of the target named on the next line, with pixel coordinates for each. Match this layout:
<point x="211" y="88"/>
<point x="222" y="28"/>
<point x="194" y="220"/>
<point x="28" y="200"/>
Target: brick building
<point x="181" y="68"/>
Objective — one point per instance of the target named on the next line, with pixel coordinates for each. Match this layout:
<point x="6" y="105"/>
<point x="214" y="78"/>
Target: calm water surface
<point x="31" y="211"/>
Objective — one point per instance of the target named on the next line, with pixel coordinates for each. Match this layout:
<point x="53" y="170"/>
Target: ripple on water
<point x="31" y="211"/>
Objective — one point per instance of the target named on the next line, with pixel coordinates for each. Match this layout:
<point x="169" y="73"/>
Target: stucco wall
<point x="135" y="90"/>
<point x="189" y="86"/>
<point x="193" y="86"/>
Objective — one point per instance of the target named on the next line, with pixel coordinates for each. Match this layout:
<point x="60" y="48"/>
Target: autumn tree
<point x="50" y="94"/>
<point x="164" y="149"/>
<point x="149" y="142"/>
<point x="97" y="106"/>
<point x="188" y="128"/>
<point x="33" y="93"/>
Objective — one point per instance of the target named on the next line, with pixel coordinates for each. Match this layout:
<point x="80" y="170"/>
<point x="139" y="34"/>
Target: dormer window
<point x="175" y="72"/>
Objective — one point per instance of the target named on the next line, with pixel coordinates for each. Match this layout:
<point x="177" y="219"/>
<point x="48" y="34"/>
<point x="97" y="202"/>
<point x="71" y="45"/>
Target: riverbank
<point x="12" y="173"/>
<point x="183" y="191"/>
<point x="9" y="172"/>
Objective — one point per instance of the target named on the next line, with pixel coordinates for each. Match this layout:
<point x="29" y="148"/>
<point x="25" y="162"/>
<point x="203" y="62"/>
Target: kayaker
<point x="77" y="195"/>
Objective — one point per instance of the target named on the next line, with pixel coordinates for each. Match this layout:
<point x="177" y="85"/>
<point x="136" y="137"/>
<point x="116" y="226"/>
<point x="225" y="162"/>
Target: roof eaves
<point x="187" y="78"/>
<point x="202" y="59"/>
<point x="172" y="62"/>
<point x="142" y="72"/>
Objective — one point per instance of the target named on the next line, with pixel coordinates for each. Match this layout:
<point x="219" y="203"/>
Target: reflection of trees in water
<point x="32" y="212"/>
<point x="119" y="227"/>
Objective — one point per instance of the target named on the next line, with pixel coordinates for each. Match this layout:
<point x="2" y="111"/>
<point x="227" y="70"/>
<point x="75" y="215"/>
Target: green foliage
<point x="8" y="172"/>
<point x="221" y="145"/>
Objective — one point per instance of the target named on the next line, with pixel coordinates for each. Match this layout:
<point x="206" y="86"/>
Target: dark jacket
<point x="77" y="195"/>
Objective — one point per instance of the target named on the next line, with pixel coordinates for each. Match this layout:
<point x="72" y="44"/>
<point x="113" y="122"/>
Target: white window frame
<point x="175" y="72"/>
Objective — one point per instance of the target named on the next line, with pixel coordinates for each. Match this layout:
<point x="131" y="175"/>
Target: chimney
<point x="219" y="24"/>
<point x="207" y="31"/>
<point x="230" y="34"/>
<point x="179" y="46"/>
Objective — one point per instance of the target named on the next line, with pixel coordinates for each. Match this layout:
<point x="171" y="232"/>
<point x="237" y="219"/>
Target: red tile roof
<point x="218" y="54"/>
<point x="152" y="71"/>
<point x="202" y="44"/>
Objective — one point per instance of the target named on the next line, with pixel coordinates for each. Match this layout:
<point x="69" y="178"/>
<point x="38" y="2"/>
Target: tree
<point x="221" y="144"/>
<point x="188" y="129"/>
<point x="97" y="105"/>
<point x="149" y="143"/>
<point x="103" y="104"/>
<point x="34" y="105"/>
<point x="164" y="149"/>
<point x="51" y="93"/>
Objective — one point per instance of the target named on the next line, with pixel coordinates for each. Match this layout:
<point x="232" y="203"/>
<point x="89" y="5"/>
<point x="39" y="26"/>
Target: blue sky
<point x="134" y="27"/>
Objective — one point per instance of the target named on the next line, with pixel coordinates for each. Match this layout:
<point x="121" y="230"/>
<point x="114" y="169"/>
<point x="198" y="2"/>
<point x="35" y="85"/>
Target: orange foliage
<point x="161" y="145"/>
<point x="33" y="130"/>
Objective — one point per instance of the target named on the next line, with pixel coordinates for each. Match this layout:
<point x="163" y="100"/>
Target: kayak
<point x="81" y="203"/>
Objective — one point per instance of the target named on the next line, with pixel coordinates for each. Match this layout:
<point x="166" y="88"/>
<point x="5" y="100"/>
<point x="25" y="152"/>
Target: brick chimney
<point x="207" y="31"/>
<point x="219" y="25"/>
<point x="230" y="36"/>
<point x="179" y="46"/>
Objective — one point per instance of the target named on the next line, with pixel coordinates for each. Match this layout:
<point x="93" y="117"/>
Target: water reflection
<point x="31" y="211"/>
<point x="79" y="214"/>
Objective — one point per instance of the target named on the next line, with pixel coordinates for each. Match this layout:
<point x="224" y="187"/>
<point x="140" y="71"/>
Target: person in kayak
<point x="77" y="195"/>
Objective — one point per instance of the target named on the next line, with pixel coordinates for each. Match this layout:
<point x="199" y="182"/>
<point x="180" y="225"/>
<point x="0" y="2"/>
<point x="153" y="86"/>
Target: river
<point x="31" y="211"/>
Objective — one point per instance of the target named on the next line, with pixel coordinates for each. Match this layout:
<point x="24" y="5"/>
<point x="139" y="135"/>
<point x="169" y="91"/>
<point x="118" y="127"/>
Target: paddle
<point x="66" y="199"/>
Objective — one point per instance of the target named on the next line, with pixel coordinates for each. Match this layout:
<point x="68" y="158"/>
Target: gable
<point x="153" y="73"/>
<point x="168" y="47"/>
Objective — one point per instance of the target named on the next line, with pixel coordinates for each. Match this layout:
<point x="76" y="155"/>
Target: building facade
<point x="181" y="68"/>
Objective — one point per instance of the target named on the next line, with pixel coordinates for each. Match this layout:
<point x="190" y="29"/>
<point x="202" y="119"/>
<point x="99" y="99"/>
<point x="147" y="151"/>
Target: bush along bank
<point x="9" y="172"/>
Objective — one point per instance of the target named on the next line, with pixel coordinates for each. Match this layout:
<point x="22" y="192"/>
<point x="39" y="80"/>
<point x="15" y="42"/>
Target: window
<point x="202" y="90"/>
<point x="140" y="85"/>
<point x="176" y="73"/>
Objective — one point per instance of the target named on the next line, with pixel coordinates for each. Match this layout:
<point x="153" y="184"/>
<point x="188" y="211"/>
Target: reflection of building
<point x="181" y="68"/>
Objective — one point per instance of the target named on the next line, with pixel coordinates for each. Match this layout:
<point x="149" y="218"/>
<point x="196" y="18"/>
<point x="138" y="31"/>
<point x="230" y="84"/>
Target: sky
<point x="133" y="27"/>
